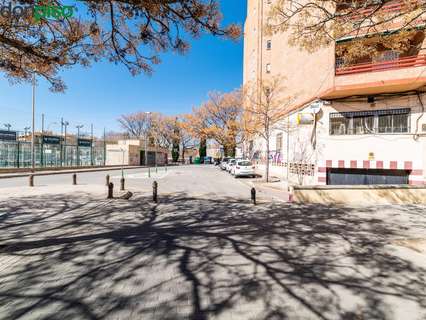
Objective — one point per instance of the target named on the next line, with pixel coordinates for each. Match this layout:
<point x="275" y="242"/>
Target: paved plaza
<point x="203" y="252"/>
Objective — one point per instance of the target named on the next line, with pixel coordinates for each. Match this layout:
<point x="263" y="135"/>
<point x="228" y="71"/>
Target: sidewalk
<point x="275" y="190"/>
<point x="64" y="171"/>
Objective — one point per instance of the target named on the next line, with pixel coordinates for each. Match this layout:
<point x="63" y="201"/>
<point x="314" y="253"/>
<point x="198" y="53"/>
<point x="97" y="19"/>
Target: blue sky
<point x="101" y="93"/>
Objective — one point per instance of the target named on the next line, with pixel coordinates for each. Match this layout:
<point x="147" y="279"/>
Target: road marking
<point x="142" y="175"/>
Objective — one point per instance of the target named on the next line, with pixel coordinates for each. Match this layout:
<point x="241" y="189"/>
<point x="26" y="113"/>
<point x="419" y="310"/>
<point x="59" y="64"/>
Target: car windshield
<point x="232" y="161"/>
<point x="244" y="163"/>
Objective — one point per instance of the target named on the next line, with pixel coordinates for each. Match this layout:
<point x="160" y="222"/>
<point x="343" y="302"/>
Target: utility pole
<point x="33" y="128"/>
<point x="42" y="123"/>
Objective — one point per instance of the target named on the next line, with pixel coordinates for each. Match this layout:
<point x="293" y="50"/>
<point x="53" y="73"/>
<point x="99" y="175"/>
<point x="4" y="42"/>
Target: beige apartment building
<point x="362" y="123"/>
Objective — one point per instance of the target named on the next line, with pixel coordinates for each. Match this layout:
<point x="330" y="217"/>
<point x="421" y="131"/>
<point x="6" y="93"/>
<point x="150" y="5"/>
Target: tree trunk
<point x="267" y="160"/>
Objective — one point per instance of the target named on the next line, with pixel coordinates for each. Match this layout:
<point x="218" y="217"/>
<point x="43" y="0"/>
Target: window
<point x="279" y="142"/>
<point x="268" y="68"/>
<point x="367" y="122"/>
<point x="268" y="45"/>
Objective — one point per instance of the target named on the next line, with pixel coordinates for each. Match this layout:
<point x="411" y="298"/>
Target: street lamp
<point x="146" y="150"/>
<point x="8" y="126"/>
<point x="78" y="137"/>
<point x="64" y="125"/>
<point x="33" y="126"/>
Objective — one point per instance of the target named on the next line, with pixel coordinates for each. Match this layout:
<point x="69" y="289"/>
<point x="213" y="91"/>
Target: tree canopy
<point x="372" y="25"/>
<point x="130" y="32"/>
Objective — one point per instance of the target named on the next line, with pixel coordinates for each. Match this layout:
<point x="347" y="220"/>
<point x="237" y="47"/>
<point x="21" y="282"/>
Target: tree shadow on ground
<point x="199" y="258"/>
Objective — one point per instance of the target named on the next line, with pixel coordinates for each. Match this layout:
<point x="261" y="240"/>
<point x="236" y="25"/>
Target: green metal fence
<point x="17" y="154"/>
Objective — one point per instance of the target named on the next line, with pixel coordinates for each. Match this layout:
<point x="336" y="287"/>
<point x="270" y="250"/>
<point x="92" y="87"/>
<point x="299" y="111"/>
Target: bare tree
<point x="137" y="125"/>
<point x="372" y="25"/>
<point x="265" y="105"/>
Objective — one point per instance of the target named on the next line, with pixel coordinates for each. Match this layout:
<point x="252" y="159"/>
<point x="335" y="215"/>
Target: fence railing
<point x="405" y="62"/>
<point x="17" y="154"/>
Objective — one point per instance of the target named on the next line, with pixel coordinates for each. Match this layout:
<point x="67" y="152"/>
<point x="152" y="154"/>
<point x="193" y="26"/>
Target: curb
<point x="27" y="174"/>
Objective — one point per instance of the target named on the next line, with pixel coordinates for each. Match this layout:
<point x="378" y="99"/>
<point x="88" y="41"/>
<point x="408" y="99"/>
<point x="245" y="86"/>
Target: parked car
<point x="223" y="163"/>
<point x="230" y="164"/>
<point x="243" y="168"/>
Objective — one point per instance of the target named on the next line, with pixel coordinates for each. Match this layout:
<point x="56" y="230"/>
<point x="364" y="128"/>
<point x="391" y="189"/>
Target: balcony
<point x="398" y="63"/>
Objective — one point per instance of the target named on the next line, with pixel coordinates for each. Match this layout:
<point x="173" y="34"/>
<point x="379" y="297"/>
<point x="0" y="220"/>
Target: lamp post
<point x="64" y="124"/>
<point x="146" y="150"/>
<point x="8" y="126"/>
<point x="78" y="137"/>
<point x="33" y="127"/>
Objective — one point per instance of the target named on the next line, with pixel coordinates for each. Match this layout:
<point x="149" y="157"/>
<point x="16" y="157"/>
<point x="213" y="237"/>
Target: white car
<point x="223" y="163"/>
<point x="243" y="168"/>
<point x="229" y="164"/>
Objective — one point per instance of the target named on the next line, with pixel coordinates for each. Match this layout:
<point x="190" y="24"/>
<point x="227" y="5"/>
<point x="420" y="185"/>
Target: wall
<point x="391" y="151"/>
<point x="360" y="195"/>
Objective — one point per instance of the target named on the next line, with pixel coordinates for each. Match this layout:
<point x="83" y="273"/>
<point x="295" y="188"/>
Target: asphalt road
<point x="202" y="253"/>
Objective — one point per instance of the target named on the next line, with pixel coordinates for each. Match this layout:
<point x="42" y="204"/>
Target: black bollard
<point x="155" y="191"/>
<point x="107" y="180"/>
<point x="74" y="179"/>
<point x="253" y="195"/>
<point x="31" y="181"/>
<point x="122" y="184"/>
<point x="110" y="190"/>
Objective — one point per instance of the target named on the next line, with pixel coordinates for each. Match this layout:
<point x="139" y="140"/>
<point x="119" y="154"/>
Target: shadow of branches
<point x="199" y="258"/>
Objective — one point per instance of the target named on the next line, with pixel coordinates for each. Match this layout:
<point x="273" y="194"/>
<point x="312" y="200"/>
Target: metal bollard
<point x="110" y="190"/>
<point x="166" y="167"/>
<point x="149" y="172"/>
<point x="155" y="191"/>
<point x="107" y="180"/>
<point x="74" y="179"/>
<point x="253" y="195"/>
<point x="31" y="181"/>
<point x="122" y="184"/>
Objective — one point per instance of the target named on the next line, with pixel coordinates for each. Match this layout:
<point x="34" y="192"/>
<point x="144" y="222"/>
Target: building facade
<point x="132" y="152"/>
<point x="362" y="123"/>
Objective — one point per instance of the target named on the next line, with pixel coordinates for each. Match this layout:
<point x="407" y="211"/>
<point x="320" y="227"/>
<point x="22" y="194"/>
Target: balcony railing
<point x="406" y="62"/>
<point x="393" y="6"/>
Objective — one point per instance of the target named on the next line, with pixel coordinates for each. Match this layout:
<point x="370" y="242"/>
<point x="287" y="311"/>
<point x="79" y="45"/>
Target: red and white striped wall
<point x="415" y="177"/>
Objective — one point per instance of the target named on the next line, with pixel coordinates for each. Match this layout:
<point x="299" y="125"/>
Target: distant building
<point x="132" y="152"/>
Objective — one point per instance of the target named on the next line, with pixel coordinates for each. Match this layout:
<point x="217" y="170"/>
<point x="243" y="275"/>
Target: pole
<point x="41" y="141"/>
<point x="122" y="164"/>
<point x="33" y="128"/>
<point x="78" y="137"/>
<point x="104" y="147"/>
<point x="288" y="145"/>
<point x="91" y="144"/>
<point x="65" y="143"/>
<point x="62" y="142"/>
